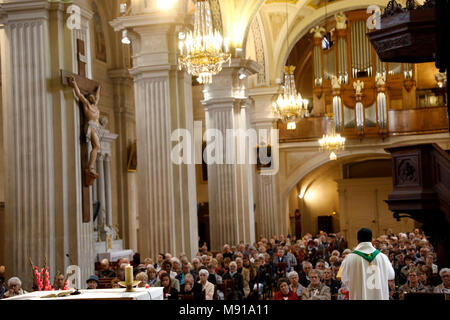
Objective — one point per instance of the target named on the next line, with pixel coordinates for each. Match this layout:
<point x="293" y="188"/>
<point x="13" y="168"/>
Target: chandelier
<point x="203" y="52"/>
<point x="290" y="106"/>
<point x="332" y="142"/>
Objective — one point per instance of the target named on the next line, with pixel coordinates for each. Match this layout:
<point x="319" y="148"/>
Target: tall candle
<point x="128" y="275"/>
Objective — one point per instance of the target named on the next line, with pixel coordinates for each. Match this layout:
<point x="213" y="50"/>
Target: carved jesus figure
<point x="92" y="113"/>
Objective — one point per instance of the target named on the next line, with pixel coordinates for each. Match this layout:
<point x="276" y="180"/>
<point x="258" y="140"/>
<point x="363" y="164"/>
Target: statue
<point x="341" y="20"/>
<point x="380" y="79"/>
<point x="92" y="113"/>
<point x="335" y="82"/>
<point x="318" y="31"/>
<point x="358" y="85"/>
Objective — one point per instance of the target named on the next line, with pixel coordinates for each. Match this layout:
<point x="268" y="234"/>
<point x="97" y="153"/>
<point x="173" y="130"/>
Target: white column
<point x="101" y="197"/>
<point x="163" y="99"/>
<point x="108" y="203"/>
<point x="270" y="220"/>
<point x="230" y="186"/>
<point x="125" y="181"/>
<point x="27" y="125"/>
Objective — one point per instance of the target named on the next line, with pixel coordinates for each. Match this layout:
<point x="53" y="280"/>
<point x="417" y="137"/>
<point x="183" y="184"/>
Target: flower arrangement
<point x="41" y="279"/>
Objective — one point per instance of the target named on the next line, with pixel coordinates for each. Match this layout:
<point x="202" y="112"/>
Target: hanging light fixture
<point x="290" y="106"/>
<point x="332" y="142"/>
<point x="204" y="51"/>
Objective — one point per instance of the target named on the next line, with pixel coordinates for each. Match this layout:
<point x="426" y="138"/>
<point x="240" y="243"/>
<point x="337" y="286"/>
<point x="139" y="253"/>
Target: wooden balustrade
<point x="401" y="122"/>
<point x="410" y="121"/>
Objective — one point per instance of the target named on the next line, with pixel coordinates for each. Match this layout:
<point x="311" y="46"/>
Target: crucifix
<point x="88" y="93"/>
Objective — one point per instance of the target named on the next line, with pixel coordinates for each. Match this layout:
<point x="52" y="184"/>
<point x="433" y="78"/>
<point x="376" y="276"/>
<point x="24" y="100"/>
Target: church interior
<point x="367" y="145"/>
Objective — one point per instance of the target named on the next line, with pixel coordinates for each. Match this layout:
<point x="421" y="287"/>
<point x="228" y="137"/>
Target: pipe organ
<point x="352" y="58"/>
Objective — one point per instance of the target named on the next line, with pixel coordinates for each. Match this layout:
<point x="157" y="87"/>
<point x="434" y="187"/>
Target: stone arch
<point x="315" y="163"/>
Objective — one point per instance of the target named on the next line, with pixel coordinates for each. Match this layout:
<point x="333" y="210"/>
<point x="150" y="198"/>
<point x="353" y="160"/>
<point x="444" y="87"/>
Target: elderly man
<point x="192" y="287"/>
<point x="444" y="287"/>
<point x="14" y="288"/>
<point x="226" y="253"/>
<point x="105" y="271"/>
<point x="413" y="285"/>
<point x="280" y="259"/>
<point x="328" y="280"/>
<point x="316" y="290"/>
<point x="366" y="271"/>
<point x="304" y="279"/>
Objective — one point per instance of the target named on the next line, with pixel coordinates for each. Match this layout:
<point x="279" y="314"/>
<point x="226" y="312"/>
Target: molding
<point x="25" y="10"/>
<point x="146" y="20"/>
<point x="119" y="74"/>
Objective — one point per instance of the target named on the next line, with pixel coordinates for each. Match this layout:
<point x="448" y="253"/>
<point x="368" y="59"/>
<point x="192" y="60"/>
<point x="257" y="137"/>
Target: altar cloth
<point x="101" y="294"/>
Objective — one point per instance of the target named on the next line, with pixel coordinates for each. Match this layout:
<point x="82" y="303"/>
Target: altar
<point x="102" y="294"/>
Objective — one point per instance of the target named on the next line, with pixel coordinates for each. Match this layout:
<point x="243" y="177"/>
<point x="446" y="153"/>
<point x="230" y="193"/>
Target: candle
<point x="128" y="275"/>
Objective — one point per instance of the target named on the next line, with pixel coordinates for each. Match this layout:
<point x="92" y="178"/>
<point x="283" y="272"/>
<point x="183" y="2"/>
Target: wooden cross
<point x="87" y="86"/>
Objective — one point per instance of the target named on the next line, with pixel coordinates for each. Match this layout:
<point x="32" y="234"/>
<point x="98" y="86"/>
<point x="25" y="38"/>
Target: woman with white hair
<point x="233" y="274"/>
<point x="295" y="286"/>
<point x="444" y="287"/>
<point x="15" y="288"/>
<point x="207" y="287"/>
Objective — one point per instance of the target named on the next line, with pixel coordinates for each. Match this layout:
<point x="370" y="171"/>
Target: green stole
<point x="369" y="257"/>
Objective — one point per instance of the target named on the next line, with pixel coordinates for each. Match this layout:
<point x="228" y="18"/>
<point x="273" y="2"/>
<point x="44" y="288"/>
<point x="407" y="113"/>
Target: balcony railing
<point x="400" y="122"/>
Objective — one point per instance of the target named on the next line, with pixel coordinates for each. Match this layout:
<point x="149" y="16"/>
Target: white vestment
<point x="367" y="281"/>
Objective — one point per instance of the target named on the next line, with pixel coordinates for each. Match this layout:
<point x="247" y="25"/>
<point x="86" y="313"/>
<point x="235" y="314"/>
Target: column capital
<point x="23" y="10"/>
<point x="262" y="114"/>
<point x="229" y="85"/>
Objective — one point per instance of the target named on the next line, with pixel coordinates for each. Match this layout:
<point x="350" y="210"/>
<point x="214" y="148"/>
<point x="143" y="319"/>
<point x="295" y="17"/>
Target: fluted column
<point x="163" y="100"/>
<point x="108" y="202"/>
<point x="125" y="180"/>
<point x="269" y="219"/>
<point x="101" y="197"/>
<point x="230" y="185"/>
<point x="27" y="121"/>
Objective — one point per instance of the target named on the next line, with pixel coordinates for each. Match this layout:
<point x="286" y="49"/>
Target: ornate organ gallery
<point x="368" y="98"/>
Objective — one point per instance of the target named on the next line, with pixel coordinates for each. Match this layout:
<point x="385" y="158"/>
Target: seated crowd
<point x="279" y="268"/>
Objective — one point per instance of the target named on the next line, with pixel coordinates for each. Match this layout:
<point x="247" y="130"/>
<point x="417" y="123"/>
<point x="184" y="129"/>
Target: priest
<point x="366" y="271"/>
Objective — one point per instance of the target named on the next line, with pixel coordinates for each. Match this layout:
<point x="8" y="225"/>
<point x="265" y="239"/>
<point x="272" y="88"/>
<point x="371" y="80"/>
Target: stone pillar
<point x="108" y="203"/>
<point x="101" y="198"/>
<point x="126" y="180"/>
<point x="163" y="100"/>
<point x="27" y="125"/>
<point x="103" y="182"/>
<point x="269" y="219"/>
<point x="230" y="186"/>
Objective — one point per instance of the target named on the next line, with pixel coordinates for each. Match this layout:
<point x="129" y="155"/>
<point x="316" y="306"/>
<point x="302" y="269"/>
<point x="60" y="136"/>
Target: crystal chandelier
<point x="203" y="52"/>
<point x="290" y="106"/>
<point x="332" y="142"/>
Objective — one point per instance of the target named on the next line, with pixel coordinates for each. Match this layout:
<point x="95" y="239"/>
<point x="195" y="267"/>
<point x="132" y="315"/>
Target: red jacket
<point x="291" y="296"/>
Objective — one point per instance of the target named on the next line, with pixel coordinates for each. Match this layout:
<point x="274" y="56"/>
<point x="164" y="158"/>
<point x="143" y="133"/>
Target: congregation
<point x="279" y="268"/>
